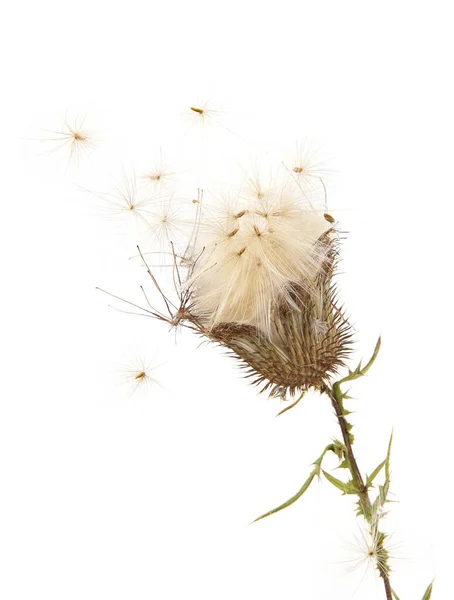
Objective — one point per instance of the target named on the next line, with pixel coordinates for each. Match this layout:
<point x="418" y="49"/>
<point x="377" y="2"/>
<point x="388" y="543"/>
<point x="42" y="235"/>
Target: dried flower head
<point x="259" y="282"/>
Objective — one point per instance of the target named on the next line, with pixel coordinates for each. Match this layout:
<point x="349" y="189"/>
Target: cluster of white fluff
<point x="251" y="246"/>
<point x="244" y="249"/>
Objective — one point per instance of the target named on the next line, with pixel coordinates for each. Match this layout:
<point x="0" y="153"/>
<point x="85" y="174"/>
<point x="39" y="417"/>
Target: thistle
<point x="257" y="276"/>
<point x="261" y="284"/>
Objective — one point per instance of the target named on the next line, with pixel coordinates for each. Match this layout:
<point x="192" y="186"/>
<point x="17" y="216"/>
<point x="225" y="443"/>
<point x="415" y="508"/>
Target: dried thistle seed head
<point x="259" y="282"/>
<point x="263" y="288"/>
<point x="248" y="261"/>
<point x="308" y="342"/>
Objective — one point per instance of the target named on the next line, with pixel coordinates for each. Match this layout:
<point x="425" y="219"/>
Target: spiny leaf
<point x="383" y="490"/>
<point x="315" y="472"/>
<point x="388" y="457"/>
<point x="318" y="462"/>
<point x="338" y="449"/>
<point x="349" y="487"/>
<point x="387" y="470"/>
<point x="341" y="453"/>
<point x="359" y="371"/>
<point x="364" y="510"/>
<point x="292" y="499"/>
<point x="374" y="473"/>
<point x="428" y="594"/>
<point x="356" y="371"/>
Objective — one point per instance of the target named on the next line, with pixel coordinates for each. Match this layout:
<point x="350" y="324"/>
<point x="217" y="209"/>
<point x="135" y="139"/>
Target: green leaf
<point x="349" y="487"/>
<point x="338" y="449"/>
<point x="383" y="490"/>
<point x="388" y="457"/>
<point x="375" y="472"/>
<point x="428" y="594"/>
<point x="345" y="464"/>
<point x="291" y="500"/>
<point x="396" y="597"/>
<point x="380" y="499"/>
<point x="315" y="473"/>
<point x="318" y="462"/>
<point x="387" y="470"/>
<point x="358" y="372"/>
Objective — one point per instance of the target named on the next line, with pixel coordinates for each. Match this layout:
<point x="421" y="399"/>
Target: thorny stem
<point x="354" y="469"/>
<point x="336" y="398"/>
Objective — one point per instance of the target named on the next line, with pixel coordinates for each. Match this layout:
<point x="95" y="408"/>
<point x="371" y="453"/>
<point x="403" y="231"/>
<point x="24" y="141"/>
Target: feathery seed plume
<point x="73" y="137"/>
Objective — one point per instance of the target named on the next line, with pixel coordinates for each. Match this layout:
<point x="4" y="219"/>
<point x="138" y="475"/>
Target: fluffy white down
<point x="249" y="248"/>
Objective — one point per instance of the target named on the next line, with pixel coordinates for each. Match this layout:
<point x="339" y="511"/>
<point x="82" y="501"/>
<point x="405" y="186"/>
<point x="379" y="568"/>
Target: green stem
<point x="336" y="396"/>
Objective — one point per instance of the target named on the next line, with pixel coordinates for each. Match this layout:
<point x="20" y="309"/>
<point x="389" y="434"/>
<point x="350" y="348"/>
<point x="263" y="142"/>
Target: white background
<point x="110" y="496"/>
